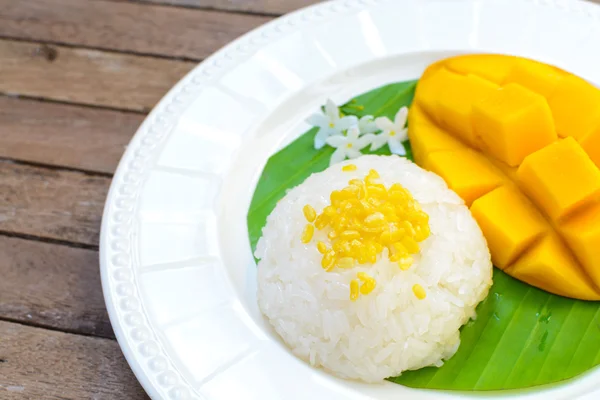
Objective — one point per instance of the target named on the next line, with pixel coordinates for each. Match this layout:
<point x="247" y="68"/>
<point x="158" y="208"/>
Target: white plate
<point x="177" y="270"/>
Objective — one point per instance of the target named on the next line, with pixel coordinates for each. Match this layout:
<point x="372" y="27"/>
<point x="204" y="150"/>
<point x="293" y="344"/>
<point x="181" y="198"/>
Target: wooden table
<point x="76" y="79"/>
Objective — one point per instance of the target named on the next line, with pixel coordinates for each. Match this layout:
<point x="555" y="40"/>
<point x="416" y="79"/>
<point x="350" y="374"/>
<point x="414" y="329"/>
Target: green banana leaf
<point x="522" y="336"/>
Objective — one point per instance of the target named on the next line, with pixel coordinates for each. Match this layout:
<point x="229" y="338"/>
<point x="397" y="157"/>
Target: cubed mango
<point x="466" y="172"/>
<point x="488" y="66"/>
<point x="535" y="76"/>
<point x="509" y="222"/>
<point x="513" y="122"/>
<point x="455" y="103"/>
<point x="535" y="195"/>
<point x="575" y="105"/>
<point x="429" y="89"/>
<point x="591" y="145"/>
<point x="550" y="266"/>
<point x="560" y="178"/>
<point x="582" y="233"/>
<point x="431" y="138"/>
<point x="470" y="178"/>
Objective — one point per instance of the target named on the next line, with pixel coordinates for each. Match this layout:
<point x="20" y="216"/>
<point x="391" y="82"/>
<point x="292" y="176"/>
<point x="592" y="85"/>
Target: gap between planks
<point x="125" y="26"/>
<point x="266" y="8"/>
<point x="91" y="77"/>
<point x="52" y="286"/>
<point x="65" y="136"/>
<point x="49" y="53"/>
<point x="54" y="167"/>
<point x="58" y="205"/>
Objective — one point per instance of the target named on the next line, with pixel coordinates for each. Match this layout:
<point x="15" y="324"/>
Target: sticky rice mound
<point x="391" y="329"/>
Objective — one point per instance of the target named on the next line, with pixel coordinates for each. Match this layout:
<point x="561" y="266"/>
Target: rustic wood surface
<point x="42" y="364"/>
<point x="261" y="7"/>
<point x="76" y="79"/>
<point x="45" y="284"/>
<point x="83" y="76"/>
<point x="69" y="136"/>
<point x="53" y="204"/>
<point x="132" y="27"/>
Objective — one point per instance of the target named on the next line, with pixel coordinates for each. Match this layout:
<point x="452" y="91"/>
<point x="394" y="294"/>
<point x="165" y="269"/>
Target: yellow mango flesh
<point x="560" y="178"/>
<point x="509" y="222"/>
<point x="431" y="138"/>
<point x="591" y="145"/>
<point x="519" y="141"/>
<point x="488" y="66"/>
<point x="552" y="267"/>
<point x="513" y="122"/>
<point x="455" y="100"/>
<point x="470" y="178"/>
<point x="535" y="76"/>
<point x="582" y="233"/>
<point x="575" y="106"/>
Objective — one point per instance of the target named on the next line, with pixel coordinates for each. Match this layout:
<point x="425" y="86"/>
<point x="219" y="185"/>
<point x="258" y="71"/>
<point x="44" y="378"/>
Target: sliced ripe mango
<point x="550" y="266"/>
<point x="560" y="178"/>
<point x="575" y="105"/>
<point x="582" y="233"/>
<point x="591" y="145"/>
<point x="513" y="122"/>
<point x="488" y="66"/>
<point x="535" y="76"/>
<point x="509" y="222"/>
<point x="430" y="70"/>
<point x="535" y="195"/>
<point x="430" y="87"/>
<point x="471" y="178"/>
<point x="431" y="138"/>
<point x="455" y="102"/>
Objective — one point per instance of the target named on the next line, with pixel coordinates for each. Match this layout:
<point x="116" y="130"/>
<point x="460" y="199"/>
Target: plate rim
<point x="123" y="302"/>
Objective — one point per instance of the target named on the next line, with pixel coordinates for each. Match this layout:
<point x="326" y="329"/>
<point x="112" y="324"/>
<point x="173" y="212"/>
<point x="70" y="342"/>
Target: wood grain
<point x="40" y="364"/>
<point x="86" y="76"/>
<point x="53" y="286"/>
<point x="64" y="135"/>
<point x="135" y="27"/>
<point x="271" y="7"/>
<point x="55" y="204"/>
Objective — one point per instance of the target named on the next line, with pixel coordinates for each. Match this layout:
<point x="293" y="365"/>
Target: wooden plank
<point x="52" y="286"/>
<point x="64" y="135"/>
<point x="123" y="26"/>
<point x="56" y="204"/>
<point x="263" y="7"/>
<point x="41" y="364"/>
<point x="271" y="7"/>
<point x="86" y="76"/>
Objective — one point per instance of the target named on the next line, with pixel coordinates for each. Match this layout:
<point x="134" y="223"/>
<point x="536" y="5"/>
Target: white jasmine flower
<point x="367" y="125"/>
<point x="330" y="123"/>
<point x="392" y="133"/>
<point x="348" y="146"/>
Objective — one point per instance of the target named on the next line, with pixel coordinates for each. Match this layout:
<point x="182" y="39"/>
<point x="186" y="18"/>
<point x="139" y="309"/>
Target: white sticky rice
<point x="388" y="331"/>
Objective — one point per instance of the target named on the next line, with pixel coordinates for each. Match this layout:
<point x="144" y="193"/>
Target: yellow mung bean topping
<point x="368" y="283"/>
<point x="345" y="262"/>
<point x="405" y="263"/>
<point x="366" y="220"/>
<point x="419" y="291"/>
<point x="308" y="233"/>
<point x="354" y="289"/>
<point x="309" y="213"/>
<point x="321" y="247"/>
